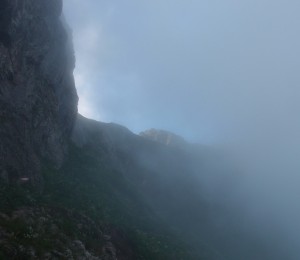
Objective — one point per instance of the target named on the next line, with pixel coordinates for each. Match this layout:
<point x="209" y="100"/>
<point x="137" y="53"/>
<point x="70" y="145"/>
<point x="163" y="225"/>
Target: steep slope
<point x="175" y="183"/>
<point x="38" y="100"/>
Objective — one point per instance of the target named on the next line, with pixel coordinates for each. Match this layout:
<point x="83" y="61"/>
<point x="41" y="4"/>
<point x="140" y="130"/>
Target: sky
<point x="202" y="69"/>
<point x="213" y="71"/>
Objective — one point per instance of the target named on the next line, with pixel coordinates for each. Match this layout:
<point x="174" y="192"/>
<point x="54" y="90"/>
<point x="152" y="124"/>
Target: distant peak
<point x="163" y="136"/>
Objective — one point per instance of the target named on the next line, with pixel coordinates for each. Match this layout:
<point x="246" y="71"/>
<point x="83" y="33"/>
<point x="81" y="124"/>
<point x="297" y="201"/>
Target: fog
<point x="220" y="73"/>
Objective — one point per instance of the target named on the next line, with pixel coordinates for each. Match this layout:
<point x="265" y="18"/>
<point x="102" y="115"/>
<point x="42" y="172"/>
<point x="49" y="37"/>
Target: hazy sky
<point x="203" y="69"/>
<point x="210" y="70"/>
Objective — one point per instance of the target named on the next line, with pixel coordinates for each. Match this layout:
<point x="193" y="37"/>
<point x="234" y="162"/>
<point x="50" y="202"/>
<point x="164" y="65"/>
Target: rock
<point x="164" y="137"/>
<point x="38" y="100"/>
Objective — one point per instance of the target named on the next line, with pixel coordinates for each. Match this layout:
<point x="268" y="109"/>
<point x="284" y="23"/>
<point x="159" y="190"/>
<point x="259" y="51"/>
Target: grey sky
<point x="203" y="69"/>
<point x="214" y="71"/>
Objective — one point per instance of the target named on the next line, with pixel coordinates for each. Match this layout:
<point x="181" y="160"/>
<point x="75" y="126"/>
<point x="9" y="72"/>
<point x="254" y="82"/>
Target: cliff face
<point x="38" y="100"/>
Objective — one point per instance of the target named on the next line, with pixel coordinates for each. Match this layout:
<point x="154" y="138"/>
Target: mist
<point x="219" y="73"/>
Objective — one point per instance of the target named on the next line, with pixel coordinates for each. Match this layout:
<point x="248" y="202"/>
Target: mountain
<point x="164" y="137"/>
<point x="187" y="187"/>
<point x="75" y="188"/>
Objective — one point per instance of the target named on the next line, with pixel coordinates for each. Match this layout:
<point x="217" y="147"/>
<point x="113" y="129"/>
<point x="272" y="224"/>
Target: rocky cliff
<point x="38" y="100"/>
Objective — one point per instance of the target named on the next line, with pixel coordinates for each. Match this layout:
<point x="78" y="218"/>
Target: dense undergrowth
<point x="88" y="186"/>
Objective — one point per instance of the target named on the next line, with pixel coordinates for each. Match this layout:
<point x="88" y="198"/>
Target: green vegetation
<point x="88" y="186"/>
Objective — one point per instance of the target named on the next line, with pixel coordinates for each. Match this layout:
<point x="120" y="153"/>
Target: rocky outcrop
<point x="38" y="100"/>
<point x="164" y="137"/>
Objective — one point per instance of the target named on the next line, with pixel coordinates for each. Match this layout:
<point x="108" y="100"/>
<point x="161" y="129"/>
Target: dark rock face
<point x="38" y="100"/>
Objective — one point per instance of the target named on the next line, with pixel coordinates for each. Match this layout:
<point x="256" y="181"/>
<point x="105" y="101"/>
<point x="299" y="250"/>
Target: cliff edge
<point x="38" y="100"/>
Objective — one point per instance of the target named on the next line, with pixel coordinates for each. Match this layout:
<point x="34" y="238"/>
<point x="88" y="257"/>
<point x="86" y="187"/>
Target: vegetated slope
<point x="122" y="196"/>
<point x="175" y="183"/>
<point x="104" y="186"/>
<point x="86" y="210"/>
